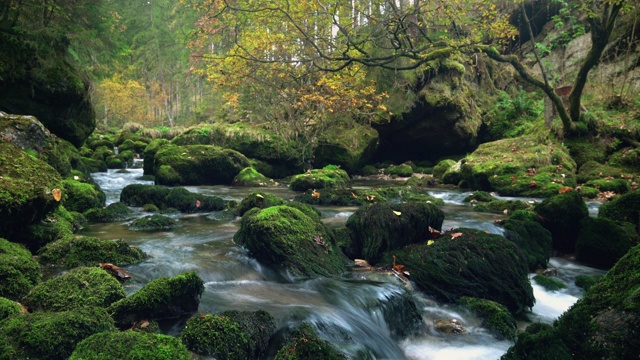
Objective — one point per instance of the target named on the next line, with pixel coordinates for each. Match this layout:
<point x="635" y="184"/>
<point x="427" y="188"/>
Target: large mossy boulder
<point x="328" y="177"/>
<point x="561" y="215"/>
<point x="130" y="345"/>
<point x="57" y="225"/>
<point x="469" y="262"/>
<point x="305" y="344"/>
<point x="8" y="308"/>
<point x="604" y="324"/>
<point x="494" y="317"/>
<point x="50" y="335"/>
<point x="163" y="198"/>
<point x="625" y="208"/>
<point x="80" y="196"/>
<point x="533" y="239"/>
<point x="149" y="154"/>
<point x="155" y="222"/>
<point x="592" y="170"/>
<point x="162" y="298"/>
<point x="378" y="228"/>
<point x="602" y="242"/>
<point x="26" y="185"/>
<point x="288" y="239"/>
<point x="19" y="272"/>
<point x="251" y="177"/>
<point x="519" y="167"/>
<point x="197" y="165"/>
<point x="230" y="335"/>
<point x="79" y="288"/>
<point x="349" y="147"/>
<point x="75" y="251"/>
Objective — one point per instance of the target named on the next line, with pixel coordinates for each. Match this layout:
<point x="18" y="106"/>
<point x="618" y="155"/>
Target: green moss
<point x="257" y="200"/>
<point x="153" y="223"/>
<point x="216" y="335"/>
<point x="406" y="193"/>
<point x="507" y="167"/>
<point x="114" y="212"/>
<point x="375" y="229"/>
<point x="525" y="215"/>
<point x="539" y="341"/>
<point x="339" y="197"/>
<point x="474" y="264"/>
<point x="164" y="198"/>
<point x="251" y="177"/>
<point x="592" y="170"/>
<point x="625" y="208"/>
<point x="534" y="241"/>
<point x="80" y="196"/>
<point x="549" y="283"/>
<point x="561" y="215"/>
<point x="588" y="192"/>
<point x="131" y="345"/>
<point x="98" y="142"/>
<point x="602" y="242"/>
<point x="89" y="165"/>
<point x="150" y="153"/>
<point x="197" y="165"/>
<point x="350" y="147"/>
<point x="56" y="226"/>
<point x="126" y="145"/>
<point x="286" y="238"/>
<point x="495" y="317"/>
<point x="628" y="158"/>
<point x="305" y="344"/>
<point x="584" y="150"/>
<point x="162" y="298"/>
<point x="25" y="190"/>
<point x="257" y="326"/>
<point x="8" y="308"/>
<point x="89" y="251"/>
<point x="102" y="153"/>
<point x="150" y="208"/>
<point x="50" y="335"/>
<point x="81" y="287"/>
<point x="585" y="282"/>
<point x="402" y="170"/>
<point x="114" y="162"/>
<point x="501" y="206"/>
<point x="619" y="186"/>
<point x="320" y="179"/>
<point x="18" y="271"/>
<point x="479" y="196"/>
<point x="442" y="167"/>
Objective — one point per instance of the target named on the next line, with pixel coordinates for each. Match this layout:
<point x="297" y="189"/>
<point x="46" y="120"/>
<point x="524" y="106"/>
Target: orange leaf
<point x="455" y="235"/>
<point x="57" y="194"/>
<point x="315" y="194"/>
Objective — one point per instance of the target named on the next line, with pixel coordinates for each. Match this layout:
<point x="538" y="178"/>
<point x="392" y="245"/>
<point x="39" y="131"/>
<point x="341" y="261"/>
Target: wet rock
<point x="75" y="251"/>
<point x="164" y="198"/>
<point x="534" y="240"/>
<point x="154" y="222"/>
<point x="130" y="345"/>
<point x="114" y="212"/>
<point x="304" y="344"/>
<point x="449" y="326"/>
<point x="495" y="317"/>
<point x="561" y="215"/>
<point x="328" y="177"/>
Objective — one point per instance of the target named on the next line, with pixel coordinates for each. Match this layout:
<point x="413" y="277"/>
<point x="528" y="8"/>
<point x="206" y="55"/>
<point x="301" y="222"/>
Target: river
<point x="346" y="311"/>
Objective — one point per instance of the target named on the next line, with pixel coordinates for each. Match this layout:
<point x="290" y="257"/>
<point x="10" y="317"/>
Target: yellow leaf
<point x="397" y="212"/>
<point x="259" y="196"/>
<point x="57" y="194"/>
<point x="430" y="242"/>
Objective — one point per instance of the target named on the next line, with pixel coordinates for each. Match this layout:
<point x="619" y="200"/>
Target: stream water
<point x="347" y="311"/>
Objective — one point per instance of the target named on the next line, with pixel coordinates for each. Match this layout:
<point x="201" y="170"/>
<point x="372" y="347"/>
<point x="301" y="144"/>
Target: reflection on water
<point x="347" y="311"/>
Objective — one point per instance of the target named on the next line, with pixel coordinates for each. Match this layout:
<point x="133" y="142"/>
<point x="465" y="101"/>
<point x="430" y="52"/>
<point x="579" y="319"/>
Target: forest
<point x="361" y="179"/>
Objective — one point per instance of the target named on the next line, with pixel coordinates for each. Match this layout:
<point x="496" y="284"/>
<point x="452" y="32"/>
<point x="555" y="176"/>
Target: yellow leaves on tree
<point x="121" y="101"/>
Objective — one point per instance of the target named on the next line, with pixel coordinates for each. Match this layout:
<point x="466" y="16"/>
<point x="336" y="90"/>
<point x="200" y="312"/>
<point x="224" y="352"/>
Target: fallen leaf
<point x="565" y="189"/>
<point x="455" y="235"/>
<point x="198" y="203"/>
<point x="259" y="196"/>
<point x="116" y="271"/>
<point x="397" y="212"/>
<point x="57" y="194"/>
<point x="354" y="195"/>
<point x="315" y="194"/>
<point x="430" y="242"/>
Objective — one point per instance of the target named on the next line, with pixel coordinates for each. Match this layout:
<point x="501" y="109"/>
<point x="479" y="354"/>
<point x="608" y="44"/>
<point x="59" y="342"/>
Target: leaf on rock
<point x="57" y="194"/>
<point x="455" y="235"/>
<point x="397" y="212"/>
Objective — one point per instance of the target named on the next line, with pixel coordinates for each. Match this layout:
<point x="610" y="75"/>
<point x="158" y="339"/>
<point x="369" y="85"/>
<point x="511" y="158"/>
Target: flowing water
<point x="354" y="312"/>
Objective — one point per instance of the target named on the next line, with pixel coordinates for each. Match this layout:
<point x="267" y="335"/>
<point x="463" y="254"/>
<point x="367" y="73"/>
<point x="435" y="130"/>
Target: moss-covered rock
<point x="154" y="223"/>
<point x="604" y="324"/>
<point x="549" y="283"/>
<point x="534" y="240"/>
<point x="18" y="271"/>
<point x="469" y="262"/>
<point x="375" y="229"/>
<point x="442" y="167"/>
<point x="81" y="287"/>
<point x="89" y="251"/>
<point x="519" y="167"/>
<point x="498" y="206"/>
<point x="625" y="208"/>
<point x="592" y="170"/>
<point x="251" y="177"/>
<point x="587" y="191"/>
<point x="602" y="242"/>
<point x="339" y="197"/>
<point x="286" y="238"/>
<point x="114" y="212"/>
<point x="26" y="186"/>
<point x="80" y="196"/>
<point x="561" y="215"/>
<point x="619" y="186"/>
<point x="404" y="193"/>
<point x="178" y="198"/>
<point x="197" y="165"/>
<point x="495" y="317"/>
<point x="585" y="282"/>
<point x="162" y="298"/>
<point x="327" y="177"/>
<point x="57" y="225"/>
<point x="8" y="308"/>
<point x="50" y="335"/>
<point x="402" y="170"/>
<point x="479" y="196"/>
<point x="306" y="344"/>
<point x="258" y="327"/>
<point x="539" y="341"/>
<point x="149" y="154"/>
<point x="130" y="345"/>
<point x="350" y="147"/>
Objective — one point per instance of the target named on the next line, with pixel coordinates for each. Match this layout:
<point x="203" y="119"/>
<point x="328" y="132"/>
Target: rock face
<point x="288" y="239"/>
<point x="26" y="186"/>
<point x="469" y="262"/>
<point x="378" y="228"/>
